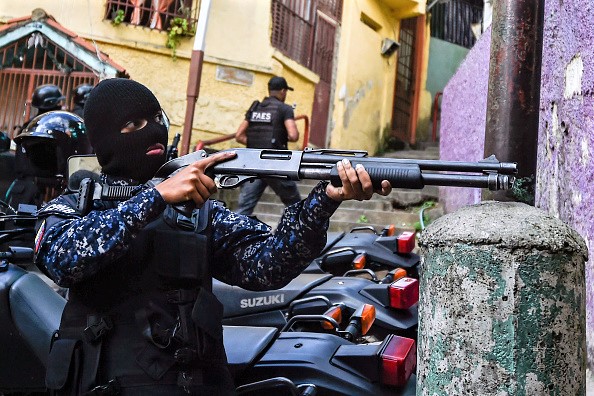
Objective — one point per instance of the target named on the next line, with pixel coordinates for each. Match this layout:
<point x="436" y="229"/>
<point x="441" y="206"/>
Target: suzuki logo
<point x="261" y="301"/>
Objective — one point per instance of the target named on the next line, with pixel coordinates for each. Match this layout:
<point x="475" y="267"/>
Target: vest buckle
<point x="184" y="355"/>
<point x="97" y="330"/>
<point x="181" y="296"/>
<point x="112" y="388"/>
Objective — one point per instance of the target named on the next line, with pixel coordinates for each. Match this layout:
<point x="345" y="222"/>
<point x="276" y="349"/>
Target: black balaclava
<point x="112" y="104"/>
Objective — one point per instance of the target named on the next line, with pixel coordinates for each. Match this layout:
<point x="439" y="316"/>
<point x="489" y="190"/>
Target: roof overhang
<point x="85" y="52"/>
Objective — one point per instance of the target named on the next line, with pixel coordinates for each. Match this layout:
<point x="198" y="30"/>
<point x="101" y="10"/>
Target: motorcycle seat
<point x="36" y="312"/>
<point x="244" y="344"/>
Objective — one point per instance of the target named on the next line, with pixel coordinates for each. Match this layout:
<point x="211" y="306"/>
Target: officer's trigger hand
<point x="192" y="183"/>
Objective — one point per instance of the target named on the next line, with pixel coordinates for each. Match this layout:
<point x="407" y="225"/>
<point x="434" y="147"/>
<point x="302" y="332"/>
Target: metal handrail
<point x="204" y="143"/>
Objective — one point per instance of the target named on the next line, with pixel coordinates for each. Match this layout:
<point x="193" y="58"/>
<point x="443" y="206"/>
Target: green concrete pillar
<point x="502" y="304"/>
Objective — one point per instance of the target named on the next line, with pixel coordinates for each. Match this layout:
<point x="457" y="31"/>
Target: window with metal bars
<point x="294" y="26"/>
<point x="155" y="14"/>
<point x="455" y="20"/>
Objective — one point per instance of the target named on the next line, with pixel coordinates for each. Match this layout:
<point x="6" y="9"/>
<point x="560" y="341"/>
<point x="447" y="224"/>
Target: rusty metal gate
<point x="405" y="80"/>
<point x="323" y="58"/>
<point x="28" y="63"/>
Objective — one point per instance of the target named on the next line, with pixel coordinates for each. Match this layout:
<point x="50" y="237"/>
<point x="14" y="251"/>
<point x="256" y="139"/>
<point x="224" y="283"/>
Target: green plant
<point x="117" y="17"/>
<point x="424" y="219"/>
<point x="362" y="219"/>
<point x="178" y="28"/>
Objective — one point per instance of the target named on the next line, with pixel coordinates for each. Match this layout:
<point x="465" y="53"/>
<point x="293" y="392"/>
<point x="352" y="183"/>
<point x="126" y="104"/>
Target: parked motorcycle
<point x="263" y="360"/>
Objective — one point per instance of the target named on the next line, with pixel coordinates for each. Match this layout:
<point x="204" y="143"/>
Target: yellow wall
<point x="425" y="122"/>
<point x="237" y="39"/>
<point x="238" y="44"/>
<point x="365" y="79"/>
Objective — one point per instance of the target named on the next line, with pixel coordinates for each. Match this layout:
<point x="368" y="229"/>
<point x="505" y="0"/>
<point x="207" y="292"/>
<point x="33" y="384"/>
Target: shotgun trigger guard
<point x="232" y="181"/>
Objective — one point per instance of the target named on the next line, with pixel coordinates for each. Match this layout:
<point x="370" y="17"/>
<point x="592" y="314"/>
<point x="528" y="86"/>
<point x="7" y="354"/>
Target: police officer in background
<point x="268" y="124"/>
<point x="141" y="318"/>
<point x="80" y="94"/>
<point x="25" y="189"/>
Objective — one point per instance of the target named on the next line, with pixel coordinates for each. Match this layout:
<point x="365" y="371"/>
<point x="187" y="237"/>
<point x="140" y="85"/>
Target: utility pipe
<point x="513" y="97"/>
<point x="195" y="75"/>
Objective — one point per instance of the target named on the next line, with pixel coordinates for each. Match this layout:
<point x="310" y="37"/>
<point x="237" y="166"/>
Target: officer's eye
<point x="133" y="125"/>
<point x="159" y="118"/>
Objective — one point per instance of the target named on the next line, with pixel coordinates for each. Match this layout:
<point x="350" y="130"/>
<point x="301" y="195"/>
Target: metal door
<point x="405" y="81"/>
<point x="322" y="64"/>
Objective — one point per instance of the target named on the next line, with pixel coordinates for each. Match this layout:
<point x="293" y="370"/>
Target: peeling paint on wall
<point x="350" y="103"/>
<point x="573" y="77"/>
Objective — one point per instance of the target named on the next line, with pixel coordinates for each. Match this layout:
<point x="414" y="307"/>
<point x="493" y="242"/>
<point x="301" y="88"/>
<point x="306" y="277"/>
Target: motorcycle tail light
<point x="360" y="261"/>
<point x="334" y="312"/>
<point x="398" y="360"/>
<point x="406" y="242"/>
<point x="404" y="293"/>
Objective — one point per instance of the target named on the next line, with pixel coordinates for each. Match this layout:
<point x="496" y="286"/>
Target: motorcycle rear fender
<point x="376" y="252"/>
<point x="352" y="292"/>
<point x="308" y="358"/>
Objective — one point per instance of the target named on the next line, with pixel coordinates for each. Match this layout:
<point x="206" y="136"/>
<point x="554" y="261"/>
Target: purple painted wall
<point x="565" y="170"/>
<point x="463" y="118"/>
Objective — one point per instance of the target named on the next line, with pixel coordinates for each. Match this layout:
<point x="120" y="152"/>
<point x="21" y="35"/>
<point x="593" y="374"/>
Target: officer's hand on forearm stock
<point x="356" y="184"/>
<point x="192" y="183"/>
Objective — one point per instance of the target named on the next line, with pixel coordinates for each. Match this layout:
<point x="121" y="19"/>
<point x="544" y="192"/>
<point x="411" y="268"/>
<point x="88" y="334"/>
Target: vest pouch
<point x="180" y="256"/>
<point x="207" y="315"/>
<point x="64" y="366"/>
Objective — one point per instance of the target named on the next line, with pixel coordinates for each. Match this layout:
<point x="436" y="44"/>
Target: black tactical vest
<point x="266" y="130"/>
<point x="148" y="323"/>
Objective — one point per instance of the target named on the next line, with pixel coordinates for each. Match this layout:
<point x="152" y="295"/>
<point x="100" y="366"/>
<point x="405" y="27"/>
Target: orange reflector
<point x="400" y="273"/>
<point x="404" y="293"/>
<point x="399" y="358"/>
<point x="367" y="318"/>
<point x="390" y="230"/>
<point x="406" y="242"/>
<point x="336" y="314"/>
<point x="360" y="261"/>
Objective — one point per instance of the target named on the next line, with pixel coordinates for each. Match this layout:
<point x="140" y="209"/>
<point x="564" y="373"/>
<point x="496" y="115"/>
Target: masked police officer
<point x="141" y="318"/>
<point x="268" y="124"/>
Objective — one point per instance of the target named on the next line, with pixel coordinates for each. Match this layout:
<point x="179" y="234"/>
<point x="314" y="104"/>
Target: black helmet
<point x="81" y="93"/>
<point x="50" y="138"/>
<point x="47" y="97"/>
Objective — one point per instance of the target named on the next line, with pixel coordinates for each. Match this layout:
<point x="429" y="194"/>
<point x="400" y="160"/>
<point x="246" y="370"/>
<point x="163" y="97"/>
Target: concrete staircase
<point x="400" y="208"/>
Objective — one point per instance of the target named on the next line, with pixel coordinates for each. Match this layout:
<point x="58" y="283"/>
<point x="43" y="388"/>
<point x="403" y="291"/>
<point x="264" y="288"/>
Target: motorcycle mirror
<point x="81" y="167"/>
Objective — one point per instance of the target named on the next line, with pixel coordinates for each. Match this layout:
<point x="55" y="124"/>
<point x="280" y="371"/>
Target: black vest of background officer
<point x="266" y="130"/>
<point x="154" y="303"/>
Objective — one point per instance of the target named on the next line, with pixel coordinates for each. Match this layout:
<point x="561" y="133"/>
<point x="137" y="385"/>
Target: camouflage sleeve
<point x="247" y="254"/>
<point x="73" y="249"/>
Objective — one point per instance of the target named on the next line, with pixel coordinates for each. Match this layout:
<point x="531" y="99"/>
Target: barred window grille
<point x="294" y="25"/>
<point x="154" y="14"/>
<point x="453" y="21"/>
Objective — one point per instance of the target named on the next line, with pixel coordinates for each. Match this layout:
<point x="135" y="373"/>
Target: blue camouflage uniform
<point x="94" y="256"/>
<point x="73" y="248"/>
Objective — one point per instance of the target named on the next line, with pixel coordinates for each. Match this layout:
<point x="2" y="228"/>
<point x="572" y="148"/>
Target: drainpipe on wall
<point x="195" y="75"/>
<point x="514" y="91"/>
